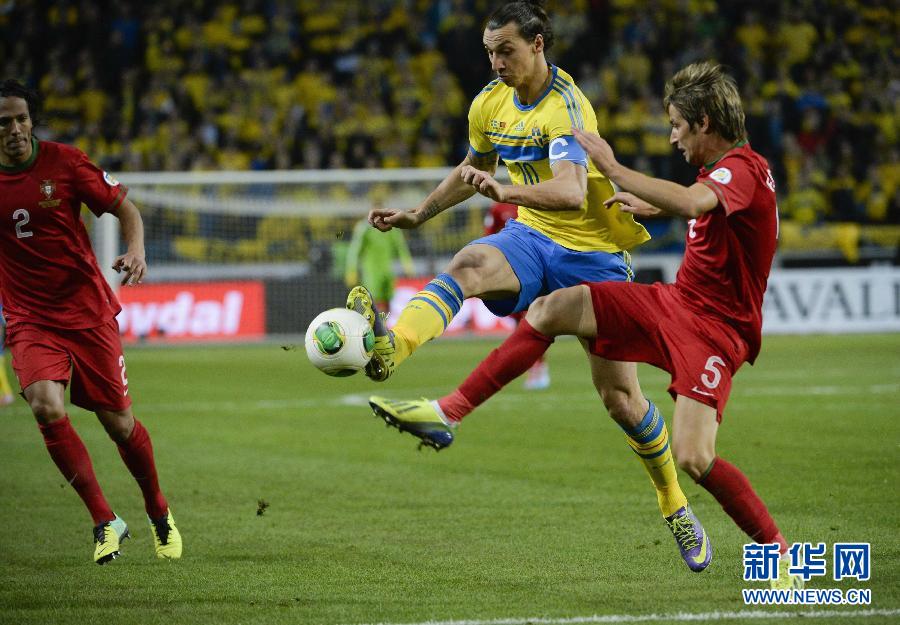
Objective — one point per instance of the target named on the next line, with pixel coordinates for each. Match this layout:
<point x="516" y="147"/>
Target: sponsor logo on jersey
<point x="110" y="180"/>
<point x="520" y="127"/>
<point x="722" y="174"/>
<point x="48" y="187"/>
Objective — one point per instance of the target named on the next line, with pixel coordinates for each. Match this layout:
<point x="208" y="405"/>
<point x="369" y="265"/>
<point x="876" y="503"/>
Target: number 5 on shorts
<point x="712" y="381"/>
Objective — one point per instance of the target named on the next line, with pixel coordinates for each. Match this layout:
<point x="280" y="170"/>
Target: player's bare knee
<point x="118" y="425"/>
<point x="691" y="460"/>
<point x="46" y="410"/>
<point x="618" y="405"/>
<point x="467" y="268"/>
<point x="539" y="316"/>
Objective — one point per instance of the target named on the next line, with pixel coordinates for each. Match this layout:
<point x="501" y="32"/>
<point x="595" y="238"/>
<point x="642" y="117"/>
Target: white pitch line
<point x="677" y="617"/>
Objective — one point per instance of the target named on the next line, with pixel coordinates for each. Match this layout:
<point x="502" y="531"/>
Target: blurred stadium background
<point x="325" y="106"/>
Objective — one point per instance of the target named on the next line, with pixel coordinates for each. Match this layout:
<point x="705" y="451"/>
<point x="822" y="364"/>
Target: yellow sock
<point x="650" y="441"/>
<point x="5" y="388"/>
<point x="426" y="315"/>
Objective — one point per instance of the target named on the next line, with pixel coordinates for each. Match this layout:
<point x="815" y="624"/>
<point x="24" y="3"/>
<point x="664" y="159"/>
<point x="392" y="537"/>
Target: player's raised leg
<point x="429" y="419"/>
<point x="136" y="450"/>
<point x="476" y="271"/>
<point x="694" y="443"/>
<point x="561" y="312"/>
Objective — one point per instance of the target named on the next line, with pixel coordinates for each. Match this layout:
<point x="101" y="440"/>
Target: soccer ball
<point x="339" y="342"/>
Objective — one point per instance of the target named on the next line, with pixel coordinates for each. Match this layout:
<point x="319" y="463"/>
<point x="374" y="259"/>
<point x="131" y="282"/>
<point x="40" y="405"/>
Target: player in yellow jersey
<point x="563" y="236"/>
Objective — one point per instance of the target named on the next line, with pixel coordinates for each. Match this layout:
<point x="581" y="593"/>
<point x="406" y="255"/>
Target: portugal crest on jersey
<point x="48" y="187"/>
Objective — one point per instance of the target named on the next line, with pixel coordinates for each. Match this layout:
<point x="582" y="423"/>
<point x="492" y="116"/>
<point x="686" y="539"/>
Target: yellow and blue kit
<point x="547" y="250"/>
<point x="530" y="139"/>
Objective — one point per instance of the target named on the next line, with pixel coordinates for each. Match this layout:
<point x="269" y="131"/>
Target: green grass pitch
<point x="539" y="509"/>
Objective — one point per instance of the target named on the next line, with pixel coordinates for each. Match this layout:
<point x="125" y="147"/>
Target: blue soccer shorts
<point x="543" y="266"/>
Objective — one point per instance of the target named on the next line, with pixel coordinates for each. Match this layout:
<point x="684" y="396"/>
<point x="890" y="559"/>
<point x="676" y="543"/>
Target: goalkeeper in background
<point x="371" y="257"/>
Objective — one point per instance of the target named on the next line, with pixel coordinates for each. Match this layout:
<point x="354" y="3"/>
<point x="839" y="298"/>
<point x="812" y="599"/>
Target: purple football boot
<point x="693" y="542"/>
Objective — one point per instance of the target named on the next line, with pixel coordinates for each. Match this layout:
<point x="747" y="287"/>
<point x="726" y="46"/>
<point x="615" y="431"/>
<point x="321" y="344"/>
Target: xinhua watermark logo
<point x="801" y="563"/>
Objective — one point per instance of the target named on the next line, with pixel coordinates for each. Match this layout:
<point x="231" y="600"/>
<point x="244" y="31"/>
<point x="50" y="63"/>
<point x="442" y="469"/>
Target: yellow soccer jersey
<point x="529" y="139"/>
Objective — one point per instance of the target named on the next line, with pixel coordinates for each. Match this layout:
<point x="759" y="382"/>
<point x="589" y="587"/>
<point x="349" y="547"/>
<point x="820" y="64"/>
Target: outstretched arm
<point x="133" y="261"/>
<point x="666" y="197"/>
<point x="450" y="192"/>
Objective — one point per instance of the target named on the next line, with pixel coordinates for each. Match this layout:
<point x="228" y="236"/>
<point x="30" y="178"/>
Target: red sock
<point x="137" y="452"/>
<point x="71" y="457"/>
<point x="733" y="491"/>
<point x="503" y="365"/>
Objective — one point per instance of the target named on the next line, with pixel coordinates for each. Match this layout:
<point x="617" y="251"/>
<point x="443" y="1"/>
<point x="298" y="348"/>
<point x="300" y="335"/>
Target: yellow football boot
<point x="419" y="417"/>
<point x="108" y="539"/>
<point x="382" y="364"/>
<point x="166" y="537"/>
<point x="785" y="580"/>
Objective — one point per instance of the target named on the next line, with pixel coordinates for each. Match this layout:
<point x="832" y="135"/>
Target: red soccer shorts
<point x="651" y="324"/>
<point x="93" y="356"/>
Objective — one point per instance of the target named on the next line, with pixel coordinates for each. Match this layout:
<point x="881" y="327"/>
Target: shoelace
<point x="161" y="526"/>
<point x="100" y="533"/>
<point x="683" y="529"/>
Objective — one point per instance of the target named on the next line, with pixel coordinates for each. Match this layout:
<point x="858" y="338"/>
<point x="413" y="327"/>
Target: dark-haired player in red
<point x="61" y="313"/>
<point x="538" y="377"/>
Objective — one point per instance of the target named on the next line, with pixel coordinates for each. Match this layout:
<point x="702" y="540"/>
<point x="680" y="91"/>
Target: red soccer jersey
<point x="48" y="272"/>
<point x="498" y="215"/>
<point x="730" y="249"/>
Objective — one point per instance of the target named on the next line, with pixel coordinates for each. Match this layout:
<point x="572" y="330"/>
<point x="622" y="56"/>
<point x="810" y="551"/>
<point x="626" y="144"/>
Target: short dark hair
<point x="12" y="88"/>
<point x="529" y="16"/>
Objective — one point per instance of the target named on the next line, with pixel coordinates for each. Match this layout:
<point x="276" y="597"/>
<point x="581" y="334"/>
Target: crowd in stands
<point x="288" y="84"/>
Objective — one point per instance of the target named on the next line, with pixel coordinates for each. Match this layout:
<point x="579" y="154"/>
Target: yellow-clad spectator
<point x="313" y="87"/>
<point x="62" y="105"/>
<point x="93" y="103"/>
<point x="428" y="154"/>
<point x="806" y="204"/>
<point x="634" y="66"/>
<point x="752" y="35"/>
<point x="797" y="38"/>
<point x="871" y="194"/>
<point x="197" y="82"/>
<point x="889" y="171"/>
<point x="626" y="127"/>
